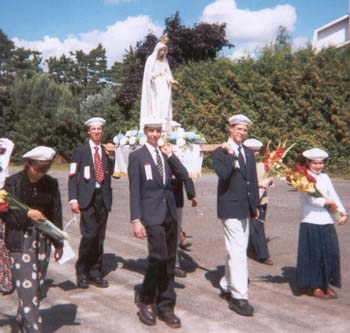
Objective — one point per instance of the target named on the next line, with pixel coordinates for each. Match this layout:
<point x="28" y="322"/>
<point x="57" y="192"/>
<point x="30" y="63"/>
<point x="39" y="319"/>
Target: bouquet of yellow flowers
<point x="9" y="201"/>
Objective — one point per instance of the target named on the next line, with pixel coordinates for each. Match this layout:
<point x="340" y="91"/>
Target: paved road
<point x="272" y="291"/>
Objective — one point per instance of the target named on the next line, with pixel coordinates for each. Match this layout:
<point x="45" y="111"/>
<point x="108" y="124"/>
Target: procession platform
<point x="279" y="308"/>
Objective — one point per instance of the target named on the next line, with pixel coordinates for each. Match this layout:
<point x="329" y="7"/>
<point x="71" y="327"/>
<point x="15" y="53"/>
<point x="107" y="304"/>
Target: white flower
<point x="35" y="326"/>
<point x="34" y="275"/>
<point x="143" y="140"/>
<point x="26" y="284"/>
<point x="42" y="257"/>
<point x="25" y="258"/>
<point x="34" y="267"/>
<point x="132" y="140"/>
<point x="124" y="141"/>
<point x="26" y="309"/>
<point x="17" y="265"/>
<point x="161" y="142"/>
<point x="180" y="141"/>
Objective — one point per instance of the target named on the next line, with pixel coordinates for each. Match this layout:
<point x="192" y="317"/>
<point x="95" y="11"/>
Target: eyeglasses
<point x="40" y="169"/>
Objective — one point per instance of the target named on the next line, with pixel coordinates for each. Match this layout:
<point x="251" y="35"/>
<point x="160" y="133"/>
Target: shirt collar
<point x="93" y="145"/>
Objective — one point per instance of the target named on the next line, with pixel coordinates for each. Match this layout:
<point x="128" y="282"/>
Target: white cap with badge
<point x="240" y="119"/>
<point x="40" y="153"/>
<point x="153" y="122"/>
<point x="95" y="121"/>
<point x="315" y="154"/>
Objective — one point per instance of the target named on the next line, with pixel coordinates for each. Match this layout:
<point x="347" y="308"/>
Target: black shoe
<point x="169" y="318"/>
<point x="225" y="294"/>
<point x="180" y="273"/>
<point x="241" y="306"/>
<point x="82" y="282"/>
<point x="98" y="282"/>
<point x="146" y="312"/>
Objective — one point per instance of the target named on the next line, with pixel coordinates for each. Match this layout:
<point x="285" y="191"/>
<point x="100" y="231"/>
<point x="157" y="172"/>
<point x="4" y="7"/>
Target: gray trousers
<point x="29" y="272"/>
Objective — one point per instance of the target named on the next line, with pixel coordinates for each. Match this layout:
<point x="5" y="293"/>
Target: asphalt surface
<point x="278" y="305"/>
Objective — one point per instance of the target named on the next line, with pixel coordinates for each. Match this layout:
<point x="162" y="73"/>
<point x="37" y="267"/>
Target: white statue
<point x="156" y="99"/>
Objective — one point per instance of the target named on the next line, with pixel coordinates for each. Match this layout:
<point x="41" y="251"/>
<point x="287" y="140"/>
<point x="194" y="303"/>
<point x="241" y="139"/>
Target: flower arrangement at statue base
<point x="7" y="201"/>
<point x="186" y="146"/>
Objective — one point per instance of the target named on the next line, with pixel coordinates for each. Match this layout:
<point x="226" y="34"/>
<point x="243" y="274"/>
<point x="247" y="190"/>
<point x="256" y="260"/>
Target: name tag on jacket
<point x="87" y="172"/>
<point x="148" y="171"/>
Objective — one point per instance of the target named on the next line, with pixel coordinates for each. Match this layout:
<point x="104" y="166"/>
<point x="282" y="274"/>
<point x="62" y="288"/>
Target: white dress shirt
<point x="313" y="209"/>
<point x="152" y="151"/>
<point x="235" y="147"/>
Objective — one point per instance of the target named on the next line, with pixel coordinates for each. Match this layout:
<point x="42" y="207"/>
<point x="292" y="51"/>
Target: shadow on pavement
<point x="287" y="276"/>
<point x="214" y="276"/>
<point x="59" y="315"/>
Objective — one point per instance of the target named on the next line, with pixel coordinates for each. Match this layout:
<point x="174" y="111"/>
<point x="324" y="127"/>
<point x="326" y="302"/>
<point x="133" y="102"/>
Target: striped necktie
<point x="159" y="165"/>
<point x="241" y="161"/>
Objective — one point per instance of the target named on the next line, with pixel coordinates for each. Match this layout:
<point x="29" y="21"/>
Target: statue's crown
<point x="164" y="38"/>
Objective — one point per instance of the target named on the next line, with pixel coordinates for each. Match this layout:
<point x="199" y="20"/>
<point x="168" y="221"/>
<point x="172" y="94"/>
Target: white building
<point x="336" y="33"/>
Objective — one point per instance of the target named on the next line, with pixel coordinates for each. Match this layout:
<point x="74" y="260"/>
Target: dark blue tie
<point x="241" y="161"/>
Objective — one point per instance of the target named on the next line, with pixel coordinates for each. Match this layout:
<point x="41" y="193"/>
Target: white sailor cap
<point x="315" y="154"/>
<point x="153" y="122"/>
<point x="40" y="153"/>
<point x="253" y="143"/>
<point x="95" y="121"/>
<point x="240" y="119"/>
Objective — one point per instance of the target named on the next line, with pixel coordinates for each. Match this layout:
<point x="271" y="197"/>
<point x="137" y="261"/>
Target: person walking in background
<point x="257" y="245"/>
<point x="90" y="194"/>
<point x="318" y="262"/>
<point x="178" y="188"/>
<point x="237" y="201"/>
<point x="154" y="215"/>
<point x="29" y="247"/>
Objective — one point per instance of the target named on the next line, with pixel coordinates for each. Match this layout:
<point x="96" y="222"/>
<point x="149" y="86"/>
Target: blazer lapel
<point x="90" y="159"/>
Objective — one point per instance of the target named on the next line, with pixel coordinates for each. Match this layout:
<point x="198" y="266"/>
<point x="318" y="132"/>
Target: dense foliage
<point x="300" y="96"/>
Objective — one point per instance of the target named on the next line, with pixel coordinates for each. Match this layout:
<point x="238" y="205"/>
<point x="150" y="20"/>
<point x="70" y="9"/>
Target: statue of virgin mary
<point x="156" y="99"/>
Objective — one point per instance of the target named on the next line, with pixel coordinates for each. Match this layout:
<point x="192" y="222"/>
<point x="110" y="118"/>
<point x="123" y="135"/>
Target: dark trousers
<point x="257" y="245"/>
<point x="158" y="284"/>
<point x="93" y="222"/>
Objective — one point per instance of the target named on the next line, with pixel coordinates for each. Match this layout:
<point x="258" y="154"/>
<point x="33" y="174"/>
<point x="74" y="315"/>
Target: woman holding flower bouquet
<point x="29" y="247"/>
<point x="318" y="264"/>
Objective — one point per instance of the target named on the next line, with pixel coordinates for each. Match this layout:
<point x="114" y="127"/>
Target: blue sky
<point x="59" y="26"/>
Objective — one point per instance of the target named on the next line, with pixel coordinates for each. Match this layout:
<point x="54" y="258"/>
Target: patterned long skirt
<point x="29" y="272"/>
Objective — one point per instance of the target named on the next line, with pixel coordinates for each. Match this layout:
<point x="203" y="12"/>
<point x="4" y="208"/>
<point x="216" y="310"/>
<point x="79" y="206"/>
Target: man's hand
<point x="342" y="218"/>
<point x="226" y="148"/>
<point x="109" y="149"/>
<point x="167" y="149"/>
<point x="139" y="230"/>
<point x="74" y="206"/>
<point x="58" y="253"/>
<point x="194" y="202"/>
<point x="35" y="215"/>
<point x="257" y="214"/>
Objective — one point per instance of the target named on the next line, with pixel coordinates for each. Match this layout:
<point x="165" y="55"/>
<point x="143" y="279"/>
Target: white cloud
<point x="249" y="29"/>
<point x="115" y="39"/>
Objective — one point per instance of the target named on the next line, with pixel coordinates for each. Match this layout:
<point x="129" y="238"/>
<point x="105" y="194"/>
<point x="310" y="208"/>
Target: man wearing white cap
<point x="6" y="148"/>
<point x="90" y="194"/>
<point x="28" y="246"/>
<point x="237" y="201"/>
<point x="257" y="246"/>
<point x="318" y="262"/>
<point x="154" y="215"/>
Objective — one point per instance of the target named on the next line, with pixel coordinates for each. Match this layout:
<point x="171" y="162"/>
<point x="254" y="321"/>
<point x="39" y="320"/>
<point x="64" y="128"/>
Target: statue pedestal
<point x="190" y="155"/>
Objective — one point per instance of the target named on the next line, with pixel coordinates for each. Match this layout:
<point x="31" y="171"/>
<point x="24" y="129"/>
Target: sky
<point x="56" y="27"/>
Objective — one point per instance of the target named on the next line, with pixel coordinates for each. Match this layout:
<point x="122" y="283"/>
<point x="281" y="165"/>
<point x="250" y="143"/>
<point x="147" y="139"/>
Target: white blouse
<point x="313" y="209"/>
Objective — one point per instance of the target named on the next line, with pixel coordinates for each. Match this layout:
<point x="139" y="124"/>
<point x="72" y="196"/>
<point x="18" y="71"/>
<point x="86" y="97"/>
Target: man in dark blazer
<point x="154" y="215"/>
<point x="237" y="201"/>
<point x="90" y="194"/>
